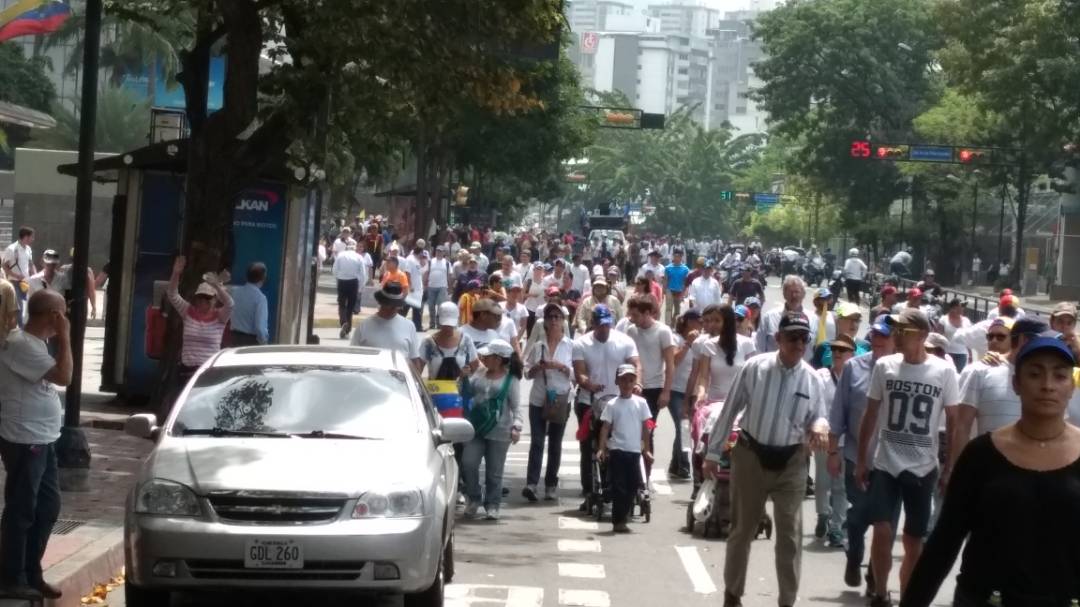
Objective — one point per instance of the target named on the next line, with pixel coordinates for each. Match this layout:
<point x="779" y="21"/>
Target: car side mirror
<point x="455" y="430"/>
<point x="142" y="425"/>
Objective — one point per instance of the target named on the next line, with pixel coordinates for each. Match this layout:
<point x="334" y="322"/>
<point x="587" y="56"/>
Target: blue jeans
<point x="31" y="507"/>
<point x="493" y="452"/>
<point x="435" y="297"/>
<point x="858" y="520"/>
<point x="539" y="429"/>
<point x="830" y="493"/>
<point x="20" y="297"/>
<point x="678" y="457"/>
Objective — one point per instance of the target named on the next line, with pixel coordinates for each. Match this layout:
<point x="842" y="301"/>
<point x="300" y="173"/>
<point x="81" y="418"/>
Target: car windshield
<point x="307" y="401"/>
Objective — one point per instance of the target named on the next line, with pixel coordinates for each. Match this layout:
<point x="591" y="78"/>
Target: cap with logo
<point x="793" y="322"/>
<point x="911" y="317"/>
<point x="741" y="311"/>
<point x="881" y="326"/>
<point x="626" y="370"/>
<point x="602" y="316"/>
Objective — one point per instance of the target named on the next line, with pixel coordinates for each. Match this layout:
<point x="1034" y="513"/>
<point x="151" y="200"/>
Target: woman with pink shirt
<point x="204" y="320"/>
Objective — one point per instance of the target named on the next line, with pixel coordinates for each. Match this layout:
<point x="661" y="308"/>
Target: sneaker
<point x="620" y="528"/>
<point x="730" y="600"/>
<point x="529" y="493"/>
<point x="492" y="514"/>
<point x="551" y="494"/>
<point x="884" y="600"/>
<point x="344" y="332"/>
<point x="472" y="509"/>
<point x="584" y="507"/>
<point x="852" y="574"/>
<point x="821" y="527"/>
<point x="835" y="539"/>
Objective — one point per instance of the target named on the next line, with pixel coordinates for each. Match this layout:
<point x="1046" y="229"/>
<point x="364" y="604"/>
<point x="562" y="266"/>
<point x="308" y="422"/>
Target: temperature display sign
<point x="860" y="149"/>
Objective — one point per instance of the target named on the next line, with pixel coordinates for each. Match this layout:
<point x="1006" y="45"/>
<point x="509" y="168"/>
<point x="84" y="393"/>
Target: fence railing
<point x="976" y="307"/>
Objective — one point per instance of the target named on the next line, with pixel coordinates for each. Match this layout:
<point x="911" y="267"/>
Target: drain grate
<point x="64" y="527"/>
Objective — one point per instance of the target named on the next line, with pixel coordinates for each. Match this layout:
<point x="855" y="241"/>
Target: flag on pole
<point x="37" y="19"/>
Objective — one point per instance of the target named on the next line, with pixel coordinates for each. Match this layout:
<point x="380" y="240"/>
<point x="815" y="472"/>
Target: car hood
<point x="346" y="467"/>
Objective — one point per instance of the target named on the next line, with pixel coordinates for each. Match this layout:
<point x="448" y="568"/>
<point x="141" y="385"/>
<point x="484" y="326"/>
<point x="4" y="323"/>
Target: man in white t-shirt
<point x="987" y="397"/>
<point x="343" y="241"/>
<point x="705" y="290"/>
<point x="413" y="265"/>
<point x="437" y="284"/>
<point x="486" y="320"/>
<point x="854" y="275"/>
<point x="656" y="347"/>
<point x="654" y="266"/>
<point x="388" y="329"/>
<point x="18" y="262"/>
<point x="580" y="279"/>
<point x="909" y="393"/>
<point x="597" y="356"/>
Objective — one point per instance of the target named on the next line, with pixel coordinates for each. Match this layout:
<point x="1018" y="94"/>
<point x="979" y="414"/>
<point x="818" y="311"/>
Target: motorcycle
<point x="814" y="271"/>
<point x="837" y="285"/>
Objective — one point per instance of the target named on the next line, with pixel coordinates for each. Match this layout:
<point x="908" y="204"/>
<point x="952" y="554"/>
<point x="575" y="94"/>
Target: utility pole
<point x="73" y="450"/>
<point x="817" y="215"/>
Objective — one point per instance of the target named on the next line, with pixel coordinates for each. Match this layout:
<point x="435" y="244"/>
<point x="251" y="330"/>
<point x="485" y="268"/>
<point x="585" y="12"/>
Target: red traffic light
<point x="891" y="152"/>
<point x="973" y="155"/>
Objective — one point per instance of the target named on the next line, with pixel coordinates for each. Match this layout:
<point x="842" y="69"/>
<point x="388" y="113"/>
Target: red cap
<point x="1006" y="292"/>
<point x="552" y="291"/>
<point x="914" y="293"/>
<point x="888" y="290"/>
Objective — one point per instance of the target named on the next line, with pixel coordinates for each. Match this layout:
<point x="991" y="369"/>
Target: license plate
<point x="273" y="554"/>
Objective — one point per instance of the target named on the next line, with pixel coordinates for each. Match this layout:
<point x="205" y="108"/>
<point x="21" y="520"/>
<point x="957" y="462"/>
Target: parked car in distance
<point x="296" y="467"/>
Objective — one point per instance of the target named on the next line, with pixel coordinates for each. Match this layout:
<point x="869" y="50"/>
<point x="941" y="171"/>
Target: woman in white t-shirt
<point x="951" y="326"/>
<point x="687" y="331"/>
<point x="534" y="294"/>
<point x="719" y="357"/>
<point x="448" y="353"/>
<point x="550" y="365"/>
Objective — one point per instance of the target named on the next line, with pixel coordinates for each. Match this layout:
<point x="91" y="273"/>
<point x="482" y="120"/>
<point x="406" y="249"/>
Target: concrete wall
<point x="45" y="201"/>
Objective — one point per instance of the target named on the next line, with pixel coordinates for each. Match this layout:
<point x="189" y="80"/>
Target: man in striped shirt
<point x="782" y="404"/>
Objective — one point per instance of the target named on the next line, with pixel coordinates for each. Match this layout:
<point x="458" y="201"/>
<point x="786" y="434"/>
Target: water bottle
<point x="995" y="599"/>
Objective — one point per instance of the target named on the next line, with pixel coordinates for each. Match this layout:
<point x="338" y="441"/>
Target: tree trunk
<point x="421" y="186"/>
<point x="1016" y="273"/>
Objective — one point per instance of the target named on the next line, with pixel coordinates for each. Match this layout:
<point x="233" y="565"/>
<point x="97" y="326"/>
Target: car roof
<point x="335" y="356"/>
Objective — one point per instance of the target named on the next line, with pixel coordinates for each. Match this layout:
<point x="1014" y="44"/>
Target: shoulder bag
<point x="484" y="416"/>
<point x="556" y="407"/>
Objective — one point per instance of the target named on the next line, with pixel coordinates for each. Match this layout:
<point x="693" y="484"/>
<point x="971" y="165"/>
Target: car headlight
<point x="166" y="498"/>
<point x="395" y="503"/>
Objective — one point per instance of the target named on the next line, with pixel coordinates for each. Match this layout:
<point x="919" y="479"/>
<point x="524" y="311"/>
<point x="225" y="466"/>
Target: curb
<point x="75" y="576"/>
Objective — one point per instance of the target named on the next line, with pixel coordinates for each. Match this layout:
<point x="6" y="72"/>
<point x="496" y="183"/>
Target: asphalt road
<point x="547" y="554"/>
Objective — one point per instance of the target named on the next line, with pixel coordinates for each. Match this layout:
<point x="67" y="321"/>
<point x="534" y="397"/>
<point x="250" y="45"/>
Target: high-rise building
<point x="685" y="18"/>
<point x="733" y="79"/>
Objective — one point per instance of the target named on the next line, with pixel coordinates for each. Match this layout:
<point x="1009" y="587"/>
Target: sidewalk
<point x="86" y="547"/>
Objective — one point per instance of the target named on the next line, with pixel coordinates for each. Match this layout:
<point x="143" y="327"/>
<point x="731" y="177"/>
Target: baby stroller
<point x="600" y="493"/>
<point x="712" y="511"/>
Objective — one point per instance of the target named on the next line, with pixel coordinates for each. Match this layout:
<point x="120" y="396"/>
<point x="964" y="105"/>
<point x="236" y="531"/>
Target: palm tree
<point x="123" y="123"/>
<point x="129" y="48"/>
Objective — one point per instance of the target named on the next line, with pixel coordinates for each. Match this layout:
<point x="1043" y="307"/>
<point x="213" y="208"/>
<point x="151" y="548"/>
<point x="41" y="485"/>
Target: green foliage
<point x="123" y="124"/>
<point x="23" y="80"/>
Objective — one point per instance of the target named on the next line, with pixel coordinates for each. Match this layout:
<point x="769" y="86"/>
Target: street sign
<point x="589" y="42"/>
<point x="766" y="198"/>
<point x="727" y="196"/>
<point x="930" y="153"/>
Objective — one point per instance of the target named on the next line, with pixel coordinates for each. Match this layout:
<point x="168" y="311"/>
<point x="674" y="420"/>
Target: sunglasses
<point x="997" y="336"/>
<point x="795" y="339"/>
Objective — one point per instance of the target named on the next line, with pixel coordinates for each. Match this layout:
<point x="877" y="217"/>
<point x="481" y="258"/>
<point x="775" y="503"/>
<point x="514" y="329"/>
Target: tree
<point x="22" y="82"/>
<point x="838" y="70"/>
<point x="123" y="123"/>
<point x="1020" y="58"/>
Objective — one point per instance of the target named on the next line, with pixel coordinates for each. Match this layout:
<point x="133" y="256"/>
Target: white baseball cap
<point x="449" y="315"/>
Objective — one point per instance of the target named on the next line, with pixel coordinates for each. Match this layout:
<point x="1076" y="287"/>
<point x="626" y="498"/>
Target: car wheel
<point x="136" y="596"/>
<point x="432" y="597"/>
<point x="448" y="560"/>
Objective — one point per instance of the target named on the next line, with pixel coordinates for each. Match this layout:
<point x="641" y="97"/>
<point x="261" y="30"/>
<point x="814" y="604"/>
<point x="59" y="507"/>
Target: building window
<point x="683" y="71"/>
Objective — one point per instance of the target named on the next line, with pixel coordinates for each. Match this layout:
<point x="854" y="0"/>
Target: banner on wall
<point x="259" y="235"/>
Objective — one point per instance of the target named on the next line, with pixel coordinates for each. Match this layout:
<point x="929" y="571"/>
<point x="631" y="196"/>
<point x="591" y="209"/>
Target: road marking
<point x="584" y="598"/>
<point x="579" y="546"/>
<point x="695" y="569"/>
<point x="568" y="522"/>
<point x="466" y="595"/>
<point x="595" y="572"/>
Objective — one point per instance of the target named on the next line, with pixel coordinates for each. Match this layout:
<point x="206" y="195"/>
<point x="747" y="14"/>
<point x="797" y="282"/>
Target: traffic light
<point x="620" y="119"/>
<point x="973" y="155"/>
<point x="727" y="196"/>
<point x="891" y="152"/>
<point x="576" y="177"/>
<point x="461" y="196"/>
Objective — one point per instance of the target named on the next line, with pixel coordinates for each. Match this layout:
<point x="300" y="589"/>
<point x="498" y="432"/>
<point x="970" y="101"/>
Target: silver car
<point x="296" y="467"/>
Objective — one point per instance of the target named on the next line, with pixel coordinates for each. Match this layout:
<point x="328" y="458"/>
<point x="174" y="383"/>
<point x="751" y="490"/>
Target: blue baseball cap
<point x="881" y="325"/>
<point x="602" y="316"/>
<point x="1047" y="344"/>
<point x="741" y="311"/>
<point x="823" y="293"/>
<point x="752" y="301"/>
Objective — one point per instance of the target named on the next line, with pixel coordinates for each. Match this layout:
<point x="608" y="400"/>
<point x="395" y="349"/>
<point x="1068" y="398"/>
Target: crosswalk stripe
<point x="695" y="569"/>
<point x="567" y="522"/>
<point x="467" y="595"/>
<point x="579" y="546"/>
<point x="582" y="570"/>
<point x="584" y="598"/>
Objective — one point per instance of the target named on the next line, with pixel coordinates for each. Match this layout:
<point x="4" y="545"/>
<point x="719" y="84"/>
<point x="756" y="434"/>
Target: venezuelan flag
<point x="30" y="18"/>
<point x="445" y="396"/>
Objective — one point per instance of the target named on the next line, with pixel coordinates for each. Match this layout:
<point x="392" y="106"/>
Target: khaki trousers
<point x="751" y="486"/>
